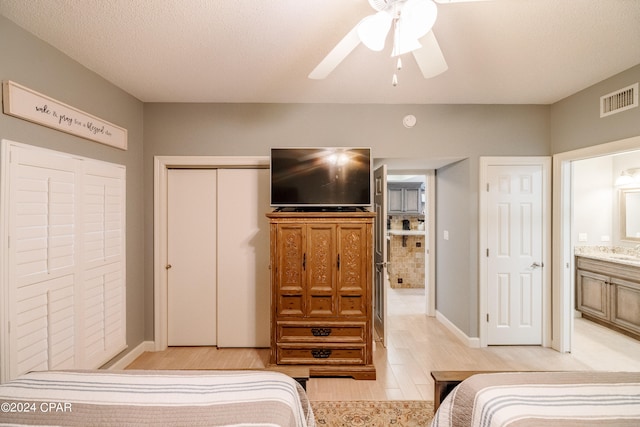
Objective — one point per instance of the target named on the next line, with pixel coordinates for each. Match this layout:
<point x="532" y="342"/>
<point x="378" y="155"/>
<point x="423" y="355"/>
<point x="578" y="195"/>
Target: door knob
<point x="535" y="265"/>
<point x="168" y="266"/>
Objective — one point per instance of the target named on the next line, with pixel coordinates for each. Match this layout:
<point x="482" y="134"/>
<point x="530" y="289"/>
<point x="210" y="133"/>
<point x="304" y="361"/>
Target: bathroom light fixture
<point x="628" y="176"/>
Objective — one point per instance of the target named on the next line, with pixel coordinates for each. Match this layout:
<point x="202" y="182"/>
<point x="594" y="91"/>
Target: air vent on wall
<point x="619" y="100"/>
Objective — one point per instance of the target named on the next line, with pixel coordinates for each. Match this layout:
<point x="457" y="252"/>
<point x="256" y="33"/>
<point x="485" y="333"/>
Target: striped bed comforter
<point x="543" y="399"/>
<point x="166" y="398"/>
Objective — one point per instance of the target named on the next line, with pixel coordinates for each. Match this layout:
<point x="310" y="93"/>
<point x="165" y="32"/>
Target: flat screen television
<point x="321" y="177"/>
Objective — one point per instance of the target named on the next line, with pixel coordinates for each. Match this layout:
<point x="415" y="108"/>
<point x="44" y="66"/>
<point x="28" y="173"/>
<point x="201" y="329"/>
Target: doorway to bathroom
<point x="572" y="232"/>
<point x="596" y="229"/>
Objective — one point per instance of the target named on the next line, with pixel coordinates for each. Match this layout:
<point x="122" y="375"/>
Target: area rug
<point x="373" y="413"/>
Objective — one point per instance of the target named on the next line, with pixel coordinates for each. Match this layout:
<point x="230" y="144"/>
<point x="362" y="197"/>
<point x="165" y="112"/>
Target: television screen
<point x="321" y="177"/>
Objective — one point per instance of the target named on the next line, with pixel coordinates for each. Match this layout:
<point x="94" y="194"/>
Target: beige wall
<point x="442" y="131"/>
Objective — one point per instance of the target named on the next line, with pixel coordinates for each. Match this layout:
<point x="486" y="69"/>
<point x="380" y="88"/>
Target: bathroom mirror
<point x="630" y="213"/>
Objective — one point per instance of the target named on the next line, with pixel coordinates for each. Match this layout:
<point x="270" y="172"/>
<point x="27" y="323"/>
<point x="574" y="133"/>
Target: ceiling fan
<point x="411" y="22"/>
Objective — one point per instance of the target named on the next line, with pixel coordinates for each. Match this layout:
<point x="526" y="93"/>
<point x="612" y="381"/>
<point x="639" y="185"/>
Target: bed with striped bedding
<point x="167" y="398"/>
<point x="528" y="399"/>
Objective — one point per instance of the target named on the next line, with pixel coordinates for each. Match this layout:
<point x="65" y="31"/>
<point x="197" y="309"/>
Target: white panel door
<point x="515" y="253"/>
<point x="243" y="258"/>
<point x="191" y="241"/>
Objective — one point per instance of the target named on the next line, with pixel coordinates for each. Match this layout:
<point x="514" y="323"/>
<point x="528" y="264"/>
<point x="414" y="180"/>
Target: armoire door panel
<point x="351" y="305"/>
<point x="290" y="305"/>
<point x="320" y="258"/>
<point x="352" y="274"/>
<point x="291" y="260"/>
<point x="321" y="262"/>
<point x="289" y="269"/>
<point x="320" y="306"/>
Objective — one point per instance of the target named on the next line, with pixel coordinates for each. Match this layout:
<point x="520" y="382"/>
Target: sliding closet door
<point x="191" y="251"/>
<point x="243" y="258"/>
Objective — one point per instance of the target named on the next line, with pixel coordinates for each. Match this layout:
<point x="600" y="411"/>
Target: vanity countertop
<point x="613" y="257"/>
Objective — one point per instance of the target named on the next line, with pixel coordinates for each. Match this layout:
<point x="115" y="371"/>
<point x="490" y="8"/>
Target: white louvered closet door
<point x="47" y="281"/>
<point x="42" y="213"/>
<point x="102" y="284"/>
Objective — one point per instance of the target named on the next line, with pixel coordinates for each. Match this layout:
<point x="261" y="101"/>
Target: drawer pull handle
<point x="321" y="332"/>
<point x="321" y="354"/>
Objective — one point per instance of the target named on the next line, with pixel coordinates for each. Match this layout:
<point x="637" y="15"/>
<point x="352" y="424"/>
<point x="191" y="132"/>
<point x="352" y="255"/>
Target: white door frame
<point x="430" y="264"/>
<point x="545" y="162"/>
<point x="562" y="289"/>
<point x="160" y="167"/>
<point x="380" y="294"/>
<point x="430" y="228"/>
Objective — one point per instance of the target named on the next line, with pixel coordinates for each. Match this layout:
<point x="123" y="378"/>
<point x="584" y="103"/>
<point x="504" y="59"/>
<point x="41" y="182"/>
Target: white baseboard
<point x="470" y="342"/>
<point x="128" y="358"/>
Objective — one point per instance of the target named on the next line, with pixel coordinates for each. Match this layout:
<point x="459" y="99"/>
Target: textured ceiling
<point x="498" y="52"/>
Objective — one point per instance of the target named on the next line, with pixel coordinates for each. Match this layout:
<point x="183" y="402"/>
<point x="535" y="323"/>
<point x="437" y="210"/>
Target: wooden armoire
<point x="321" y="292"/>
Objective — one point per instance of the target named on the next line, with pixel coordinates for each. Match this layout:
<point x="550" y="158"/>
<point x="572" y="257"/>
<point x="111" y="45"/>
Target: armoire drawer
<point x="337" y="332"/>
<point x="310" y="354"/>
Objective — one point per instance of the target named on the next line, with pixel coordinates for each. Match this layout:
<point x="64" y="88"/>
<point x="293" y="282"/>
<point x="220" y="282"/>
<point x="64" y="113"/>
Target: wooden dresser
<point x="321" y="292"/>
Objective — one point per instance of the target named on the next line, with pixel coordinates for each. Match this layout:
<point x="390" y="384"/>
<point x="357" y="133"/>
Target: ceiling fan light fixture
<point x="373" y="30"/>
<point x="418" y="17"/>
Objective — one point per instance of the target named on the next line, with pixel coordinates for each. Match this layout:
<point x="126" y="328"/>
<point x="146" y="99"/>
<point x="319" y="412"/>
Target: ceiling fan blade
<point x="337" y="55"/>
<point x="430" y="58"/>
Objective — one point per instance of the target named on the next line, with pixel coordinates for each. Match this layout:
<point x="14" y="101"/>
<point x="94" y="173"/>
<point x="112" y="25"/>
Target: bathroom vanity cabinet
<point x="608" y="292"/>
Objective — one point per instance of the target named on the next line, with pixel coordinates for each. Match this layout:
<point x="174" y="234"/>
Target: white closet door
<point x="42" y="263"/>
<point x="243" y="258"/>
<point x="62" y="281"/>
<point x="103" y="258"/>
<point x="191" y="237"/>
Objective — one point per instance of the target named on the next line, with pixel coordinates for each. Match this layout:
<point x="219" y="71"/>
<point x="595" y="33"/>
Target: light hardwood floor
<point x="418" y="345"/>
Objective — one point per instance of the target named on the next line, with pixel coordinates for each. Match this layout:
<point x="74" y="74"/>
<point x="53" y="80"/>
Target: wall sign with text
<point x="24" y="103"/>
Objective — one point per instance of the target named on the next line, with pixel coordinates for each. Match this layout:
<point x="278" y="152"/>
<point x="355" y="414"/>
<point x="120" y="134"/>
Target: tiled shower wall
<point x="407" y="262"/>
